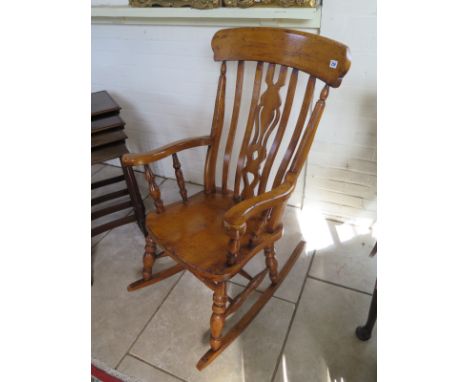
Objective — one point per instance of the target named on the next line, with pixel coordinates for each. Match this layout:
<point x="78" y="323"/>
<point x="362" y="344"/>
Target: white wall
<point x="341" y="176"/>
<point x="165" y="80"/>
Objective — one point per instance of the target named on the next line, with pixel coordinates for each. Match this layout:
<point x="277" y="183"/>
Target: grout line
<point x="155" y="367"/>
<point x="339" y="285"/>
<point x="282" y="299"/>
<point x="94" y="173"/>
<point x="238" y="284"/>
<point x="105" y="234"/>
<point x="261" y="291"/>
<point x="292" y="319"/>
<point x="149" y="320"/>
<point x="160" y="184"/>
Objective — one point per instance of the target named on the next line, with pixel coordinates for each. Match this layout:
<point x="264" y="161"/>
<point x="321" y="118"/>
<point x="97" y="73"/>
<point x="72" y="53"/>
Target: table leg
<point x="365" y="332"/>
<point x="135" y="196"/>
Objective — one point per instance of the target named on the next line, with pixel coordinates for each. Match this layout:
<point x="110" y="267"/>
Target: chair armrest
<point x="164" y="151"/>
<point x="236" y="217"/>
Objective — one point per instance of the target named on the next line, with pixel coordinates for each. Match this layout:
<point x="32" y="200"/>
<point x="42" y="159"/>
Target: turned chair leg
<point x="365" y="332"/>
<point x="149" y="257"/>
<point x="272" y="263"/>
<point x="218" y="316"/>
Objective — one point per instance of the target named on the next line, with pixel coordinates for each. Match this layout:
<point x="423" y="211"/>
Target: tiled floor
<point x="304" y="333"/>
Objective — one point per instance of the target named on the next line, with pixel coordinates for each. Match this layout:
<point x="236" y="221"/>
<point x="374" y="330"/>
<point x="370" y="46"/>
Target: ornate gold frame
<point x="199" y="4"/>
<point x="209" y="4"/>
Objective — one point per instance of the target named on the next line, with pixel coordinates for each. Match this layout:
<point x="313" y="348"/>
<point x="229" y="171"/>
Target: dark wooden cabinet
<point x="108" y="142"/>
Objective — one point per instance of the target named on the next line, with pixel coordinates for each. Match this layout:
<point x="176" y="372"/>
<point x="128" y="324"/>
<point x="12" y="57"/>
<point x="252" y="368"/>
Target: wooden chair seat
<point x="193" y="234"/>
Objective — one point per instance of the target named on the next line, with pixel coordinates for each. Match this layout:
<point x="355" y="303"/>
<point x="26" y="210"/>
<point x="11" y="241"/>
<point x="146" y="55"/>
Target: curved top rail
<point x="319" y="56"/>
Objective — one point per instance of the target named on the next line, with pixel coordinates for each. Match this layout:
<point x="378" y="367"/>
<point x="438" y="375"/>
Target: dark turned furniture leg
<point x="365" y="332"/>
<point x="135" y="196"/>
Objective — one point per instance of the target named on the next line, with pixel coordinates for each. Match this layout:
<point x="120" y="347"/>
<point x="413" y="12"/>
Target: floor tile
<point x="321" y="345"/>
<point x="178" y="335"/>
<point x="291" y="286"/>
<point x="118" y="316"/>
<point x="143" y="372"/>
<point x="95" y="168"/>
<point x="347" y="261"/>
<point x="96" y="239"/>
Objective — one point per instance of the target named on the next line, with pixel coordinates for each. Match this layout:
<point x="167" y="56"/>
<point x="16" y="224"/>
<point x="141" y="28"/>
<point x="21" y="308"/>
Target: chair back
<point x="279" y="56"/>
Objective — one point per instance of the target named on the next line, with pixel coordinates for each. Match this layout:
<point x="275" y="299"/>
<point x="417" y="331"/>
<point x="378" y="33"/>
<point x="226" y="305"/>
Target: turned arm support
<point x="164" y="151"/>
<point x="154" y="155"/>
<point x="235" y="219"/>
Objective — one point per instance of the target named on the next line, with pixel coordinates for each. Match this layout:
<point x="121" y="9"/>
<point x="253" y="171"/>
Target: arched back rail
<point x="323" y="58"/>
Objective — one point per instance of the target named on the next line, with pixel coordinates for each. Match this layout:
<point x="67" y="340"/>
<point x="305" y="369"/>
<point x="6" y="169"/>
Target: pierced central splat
<point x="267" y="116"/>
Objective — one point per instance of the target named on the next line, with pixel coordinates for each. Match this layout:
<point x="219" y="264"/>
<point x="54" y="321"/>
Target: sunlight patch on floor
<point x="285" y="372"/>
<point x="314" y="228"/>
<point x="317" y="232"/>
<point x="242" y="366"/>
<point x="345" y="232"/>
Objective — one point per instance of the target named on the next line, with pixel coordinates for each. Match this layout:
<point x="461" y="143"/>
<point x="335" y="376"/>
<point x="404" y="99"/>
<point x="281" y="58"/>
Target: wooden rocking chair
<point x="215" y="233"/>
